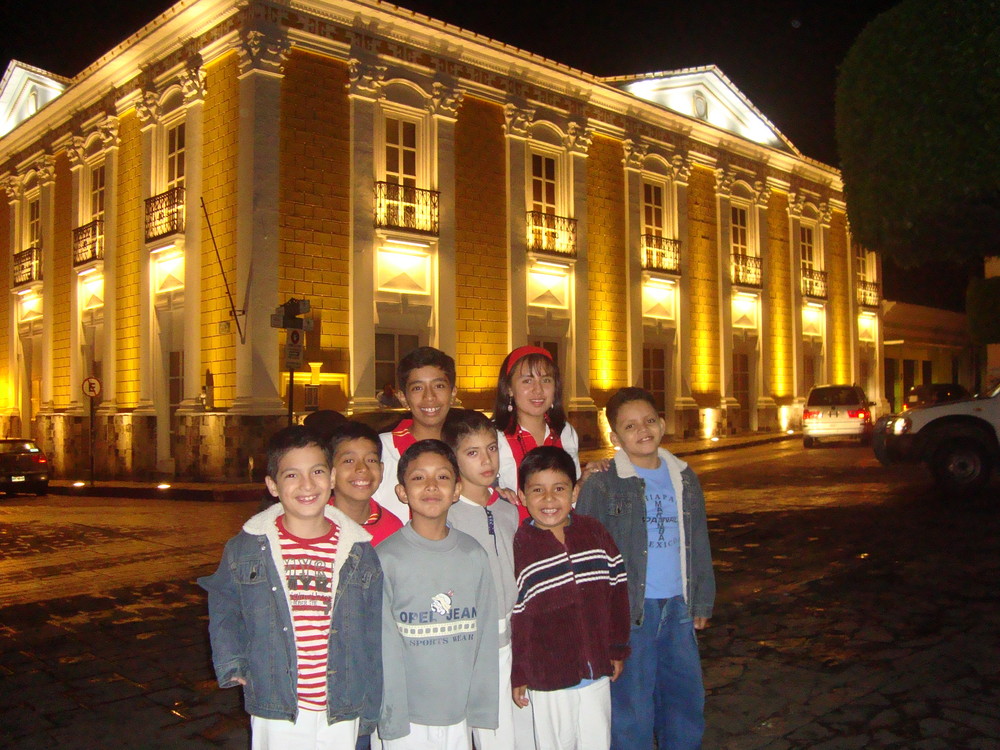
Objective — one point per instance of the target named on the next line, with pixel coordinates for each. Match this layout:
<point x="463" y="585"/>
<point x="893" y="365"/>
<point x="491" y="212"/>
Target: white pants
<point x="573" y="719"/>
<point x="308" y="732"/>
<point x="501" y="738"/>
<point x="424" y="737"/>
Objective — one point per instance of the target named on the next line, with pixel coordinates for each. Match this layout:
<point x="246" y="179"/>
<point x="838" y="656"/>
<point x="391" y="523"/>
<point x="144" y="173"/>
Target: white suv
<point x="836" y="411"/>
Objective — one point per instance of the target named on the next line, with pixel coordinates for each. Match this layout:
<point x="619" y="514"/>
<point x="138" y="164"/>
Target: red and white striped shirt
<point x="311" y="586"/>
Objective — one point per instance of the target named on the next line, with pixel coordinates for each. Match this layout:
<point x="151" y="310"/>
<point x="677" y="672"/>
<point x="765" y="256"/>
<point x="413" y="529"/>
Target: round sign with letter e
<point x="91" y="387"/>
<point x="293" y="337"/>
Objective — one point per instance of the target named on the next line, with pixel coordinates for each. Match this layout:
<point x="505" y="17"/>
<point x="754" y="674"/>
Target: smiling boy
<point x="439" y="618"/>
<point x="294" y="609"/>
<point x="427" y="379"/>
<point x="571" y="580"/>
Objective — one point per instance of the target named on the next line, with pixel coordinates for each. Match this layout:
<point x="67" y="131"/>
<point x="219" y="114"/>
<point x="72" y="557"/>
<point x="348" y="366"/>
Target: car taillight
<point x="859" y="414"/>
<point x="807" y="414"/>
<point x="40" y="458"/>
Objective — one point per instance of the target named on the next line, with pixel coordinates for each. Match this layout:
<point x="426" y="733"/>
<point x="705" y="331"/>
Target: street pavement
<point x="855" y="610"/>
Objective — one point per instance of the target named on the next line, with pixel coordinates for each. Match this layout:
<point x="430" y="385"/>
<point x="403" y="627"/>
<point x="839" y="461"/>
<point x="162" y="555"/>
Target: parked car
<point x="958" y="440"/>
<point x="934" y="393"/>
<point x="836" y="411"/>
<point x="24" y="467"/>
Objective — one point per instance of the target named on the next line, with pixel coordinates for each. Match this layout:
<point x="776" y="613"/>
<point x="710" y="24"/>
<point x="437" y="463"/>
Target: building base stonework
<point x="219" y="445"/>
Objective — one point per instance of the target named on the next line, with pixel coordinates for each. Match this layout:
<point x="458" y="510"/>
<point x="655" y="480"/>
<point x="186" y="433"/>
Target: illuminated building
<point x="418" y="184"/>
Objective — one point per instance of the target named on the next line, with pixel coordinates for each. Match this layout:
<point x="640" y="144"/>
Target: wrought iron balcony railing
<point x="661" y="254"/>
<point x="165" y="214"/>
<point x="746" y="270"/>
<point x="549" y="233"/>
<point x="868" y="293"/>
<point x="813" y="283"/>
<point x="406" y="207"/>
<point x="28" y="266"/>
<point x="88" y="242"/>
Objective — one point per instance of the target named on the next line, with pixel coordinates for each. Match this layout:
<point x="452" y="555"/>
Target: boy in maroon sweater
<point x="570" y="626"/>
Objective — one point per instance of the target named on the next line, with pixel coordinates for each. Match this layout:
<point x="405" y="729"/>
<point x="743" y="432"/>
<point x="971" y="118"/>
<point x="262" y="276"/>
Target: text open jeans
<point x="661" y="688"/>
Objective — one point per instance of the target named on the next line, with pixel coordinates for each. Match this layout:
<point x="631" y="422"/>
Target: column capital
<point x="76" y="150"/>
<point x="680" y="167"/>
<point x="578" y="138"/>
<point x="725" y="177"/>
<point x="11" y="185"/>
<point x="192" y="80"/>
<point x="444" y="100"/>
<point x="825" y="214"/>
<point x="46" y="169"/>
<point x="796" y="202"/>
<point x="761" y="194"/>
<point x="147" y="107"/>
<point x="635" y="153"/>
<point x="108" y="131"/>
<point x="263" y="51"/>
<point x="517" y="120"/>
<point x="365" y="80"/>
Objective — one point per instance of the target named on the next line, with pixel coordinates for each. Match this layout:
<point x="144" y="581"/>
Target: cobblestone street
<point x="855" y="610"/>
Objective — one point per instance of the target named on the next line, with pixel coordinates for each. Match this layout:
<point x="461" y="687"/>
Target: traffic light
<point x="287" y="315"/>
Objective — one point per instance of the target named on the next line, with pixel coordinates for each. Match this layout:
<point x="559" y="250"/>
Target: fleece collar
<point x="626" y="468"/>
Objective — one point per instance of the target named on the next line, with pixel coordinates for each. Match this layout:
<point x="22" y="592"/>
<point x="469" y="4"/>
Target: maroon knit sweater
<point x="572" y="617"/>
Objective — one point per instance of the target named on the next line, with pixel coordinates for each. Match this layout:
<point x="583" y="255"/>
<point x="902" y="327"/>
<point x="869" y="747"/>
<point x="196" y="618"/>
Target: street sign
<point x="293" y="349"/>
<point x="91" y="387"/>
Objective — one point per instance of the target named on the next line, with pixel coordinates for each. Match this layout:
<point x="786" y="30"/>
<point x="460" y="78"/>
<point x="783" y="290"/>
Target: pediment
<point x="706" y="94"/>
<point x="25" y="90"/>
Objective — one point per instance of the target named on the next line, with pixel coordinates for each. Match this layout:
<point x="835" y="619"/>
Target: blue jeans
<point x="661" y="689"/>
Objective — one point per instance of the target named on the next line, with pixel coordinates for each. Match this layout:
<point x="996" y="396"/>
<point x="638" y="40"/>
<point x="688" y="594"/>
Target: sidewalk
<point x="242" y="491"/>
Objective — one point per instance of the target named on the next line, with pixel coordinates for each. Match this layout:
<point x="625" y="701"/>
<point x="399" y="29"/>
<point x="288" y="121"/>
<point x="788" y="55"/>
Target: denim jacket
<point x="250" y="624"/>
<point x="617" y="498"/>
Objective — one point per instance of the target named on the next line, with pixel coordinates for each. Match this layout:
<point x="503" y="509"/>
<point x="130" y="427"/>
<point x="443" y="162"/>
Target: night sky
<point x="782" y="54"/>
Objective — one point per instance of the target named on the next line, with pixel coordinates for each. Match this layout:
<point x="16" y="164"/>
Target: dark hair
<point x="289" y="438"/>
<point x="461" y="423"/>
<point x="425" y="356"/>
<point x="355" y="431"/>
<point x="623" y="396"/>
<point x="504" y="411"/>
<point x="324" y="422"/>
<point x="421" y="447"/>
<point x="543" y="458"/>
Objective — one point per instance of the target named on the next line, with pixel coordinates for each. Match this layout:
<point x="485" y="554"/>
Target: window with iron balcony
<point x="746" y="270"/>
<point x="661" y="253"/>
<point x="88" y="242"/>
<point x="547" y="231"/>
<point x="27" y="266"/>
<point x="868" y="293"/>
<point x="165" y="211"/>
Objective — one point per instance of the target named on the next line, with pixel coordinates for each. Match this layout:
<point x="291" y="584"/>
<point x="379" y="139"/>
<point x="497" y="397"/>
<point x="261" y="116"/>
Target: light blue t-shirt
<point x="663" y="558"/>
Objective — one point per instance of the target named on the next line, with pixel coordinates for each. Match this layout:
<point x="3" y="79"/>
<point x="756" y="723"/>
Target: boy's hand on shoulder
<point x="603" y="465"/>
<point x="519" y="694"/>
<point x="617" y="667"/>
<point x="509" y="495"/>
<point x="700" y="623"/>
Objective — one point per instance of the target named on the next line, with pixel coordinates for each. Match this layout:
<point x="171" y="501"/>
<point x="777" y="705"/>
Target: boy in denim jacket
<point x="652" y="504"/>
<point x="295" y="609"/>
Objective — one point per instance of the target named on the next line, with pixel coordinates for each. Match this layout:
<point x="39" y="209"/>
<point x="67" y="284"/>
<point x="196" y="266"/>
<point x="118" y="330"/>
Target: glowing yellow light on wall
<point x="659" y="298"/>
<point x="812" y="319"/>
<point x="404" y="267"/>
<point x="548" y="285"/>
<point x="744" y="308"/>
<point x="168" y="272"/>
<point x="867" y="322"/>
<point x="31" y="304"/>
<point x="91" y="290"/>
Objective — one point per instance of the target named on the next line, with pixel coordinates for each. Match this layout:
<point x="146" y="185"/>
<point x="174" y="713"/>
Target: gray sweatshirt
<point x="439" y="633"/>
<point x="493" y="527"/>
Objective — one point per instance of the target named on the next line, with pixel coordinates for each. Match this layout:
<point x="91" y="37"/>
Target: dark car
<point x="24" y="467"/>
<point x="934" y="393"/>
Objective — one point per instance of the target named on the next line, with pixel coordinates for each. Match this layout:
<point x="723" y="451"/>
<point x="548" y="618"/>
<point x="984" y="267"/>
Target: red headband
<point x="523" y="351"/>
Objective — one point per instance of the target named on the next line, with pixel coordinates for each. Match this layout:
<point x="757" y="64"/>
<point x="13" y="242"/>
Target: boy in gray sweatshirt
<point x="439" y="617"/>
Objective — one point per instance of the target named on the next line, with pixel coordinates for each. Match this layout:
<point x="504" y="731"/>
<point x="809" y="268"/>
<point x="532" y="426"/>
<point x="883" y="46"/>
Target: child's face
<point x="534" y="390"/>
<point x="302" y="484"/>
<point x="549" y="496"/>
<point x="638" y="429"/>
<point x="428" y="395"/>
<point x="357" y="470"/>
<point x="429" y="486"/>
<point x="478" y="458"/>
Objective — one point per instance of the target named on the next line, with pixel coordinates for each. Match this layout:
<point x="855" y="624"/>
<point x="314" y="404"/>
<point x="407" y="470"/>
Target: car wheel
<point x="962" y="466"/>
<point x="809" y="442"/>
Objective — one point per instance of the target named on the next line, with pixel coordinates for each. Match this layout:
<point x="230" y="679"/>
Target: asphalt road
<point x="856" y="609"/>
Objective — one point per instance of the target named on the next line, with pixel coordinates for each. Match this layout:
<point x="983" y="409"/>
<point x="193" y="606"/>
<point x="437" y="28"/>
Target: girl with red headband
<point x="529" y="410"/>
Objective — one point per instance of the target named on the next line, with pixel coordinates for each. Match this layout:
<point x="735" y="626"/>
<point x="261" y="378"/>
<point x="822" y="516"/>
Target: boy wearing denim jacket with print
<point x="652" y="504"/>
<point x="295" y="609"/>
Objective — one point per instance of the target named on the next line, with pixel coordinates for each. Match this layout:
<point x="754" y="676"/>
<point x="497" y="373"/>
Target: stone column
<point x="724" y="179"/>
<point x="825" y="216"/>
<point x="766" y="407"/>
<point x="443" y="106"/>
<point x="109" y="137"/>
<point x="76" y="151"/>
<point x="632" y="162"/>
<point x="576" y="383"/>
<point x="364" y="90"/>
<point x="262" y="53"/>
<point x="46" y="167"/>
<point x="796" y="203"/>
<point x="14" y="387"/>
<point x="685" y="407"/>
<point x="192" y="81"/>
<point x="517" y="129"/>
<point x="148" y="111"/>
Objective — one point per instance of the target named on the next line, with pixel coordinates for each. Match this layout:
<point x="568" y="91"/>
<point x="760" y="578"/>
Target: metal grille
<point x="746" y="270"/>
<point x="661" y="253"/>
<point x="551" y="234"/>
<point x="814" y="283"/>
<point x="165" y="214"/>
<point x="88" y="242"/>
<point x="868" y="293"/>
<point x="406" y="207"/>
<point x="28" y="266"/>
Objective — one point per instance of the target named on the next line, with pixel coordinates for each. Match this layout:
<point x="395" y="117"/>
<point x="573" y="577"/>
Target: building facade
<point x="418" y="184"/>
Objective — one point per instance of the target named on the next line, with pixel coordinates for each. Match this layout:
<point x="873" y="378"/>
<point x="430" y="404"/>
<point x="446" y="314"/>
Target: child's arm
<point x="619" y="624"/>
<point x="371" y="626"/>
<point x="702" y="575"/>
<point x="519" y="695"/>
<point x="483" y="699"/>
<point x="394" y="721"/>
<point x="226" y="627"/>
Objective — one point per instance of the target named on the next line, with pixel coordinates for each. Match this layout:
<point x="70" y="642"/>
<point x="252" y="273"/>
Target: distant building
<point x="418" y="184"/>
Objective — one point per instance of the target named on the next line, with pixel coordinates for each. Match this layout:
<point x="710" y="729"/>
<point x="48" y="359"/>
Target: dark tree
<point x="918" y="130"/>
